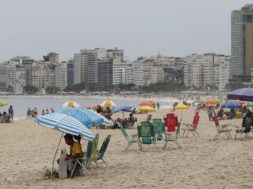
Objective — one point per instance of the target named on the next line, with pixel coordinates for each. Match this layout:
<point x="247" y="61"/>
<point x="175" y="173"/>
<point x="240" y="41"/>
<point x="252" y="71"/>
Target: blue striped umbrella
<point x="88" y="117"/>
<point x="230" y="105"/>
<point x="66" y="124"/>
<point x="123" y="109"/>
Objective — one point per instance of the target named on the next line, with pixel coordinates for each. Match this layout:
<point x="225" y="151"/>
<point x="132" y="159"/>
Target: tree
<point x="51" y="90"/>
<point x="30" y="89"/>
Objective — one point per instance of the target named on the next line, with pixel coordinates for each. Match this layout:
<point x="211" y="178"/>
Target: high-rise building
<point x="61" y="75"/>
<point x="85" y="67"/>
<point x="2" y="77"/>
<point x="148" y="71"/>
<point x="52" y="57"/>
<point x="104" y="74"/>
<point x="242" y="42"/>
<point x="70" y="72"/>
<point x="122" y="73"/>
<point x="206" y="70"/>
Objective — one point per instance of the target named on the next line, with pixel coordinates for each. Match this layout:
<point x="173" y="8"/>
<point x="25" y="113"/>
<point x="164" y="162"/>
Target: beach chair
<point x="157" y="121"/>
<point x="159" y="130"/>
<point x="146" y="135"/>
<point x="244" y="129"/>
<point x="172" y="136"/>
<point x="130" y="139"/>
<point x="221" y="129"/>
<point x="192" y="127"/>
<point x="94" y="149"/>
<point x="171" y="122"/>
<point x="83" y="164"/>
<point x="102" y="150"/>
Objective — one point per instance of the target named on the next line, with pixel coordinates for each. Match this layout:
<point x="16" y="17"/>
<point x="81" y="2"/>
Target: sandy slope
<point x="201" y="163"/>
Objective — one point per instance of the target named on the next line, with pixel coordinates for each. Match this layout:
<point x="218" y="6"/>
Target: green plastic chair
<point x="130" y="139"/>
<point x="172" y="137"/>
<point x="157" y="120"/>
<point x="83" y="164"/>
<point x="94" y="148"/>
<point x="102" y="150"/>
<point x="146" y="123"/>
<point x="159" y="130"/>
<point x="146" y="135"/>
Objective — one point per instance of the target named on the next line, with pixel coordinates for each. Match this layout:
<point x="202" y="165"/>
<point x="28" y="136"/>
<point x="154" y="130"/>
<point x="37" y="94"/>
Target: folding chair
<point x="130" y="139"/>
<point x="221" y="129"/>
<point x="159" y="130"/>
<point x="146" y="135"/>
<point x="83" y="163"/>
<point x="245" y="128"/>
<point x="173" y="129"/>
<point x="102" y="150"/>
<point x="192" y="127"/>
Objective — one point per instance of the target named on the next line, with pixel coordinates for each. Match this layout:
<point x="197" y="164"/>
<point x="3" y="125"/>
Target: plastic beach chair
<point x="244" y="129"/>
<point x="192" y="127"/>
<point x="159" y="129"/>
<point x="146" y="135"/>
<point x="102" y="150"/>
<point x="221" y="129"/>
<point x="83" y="164"/>
<point x="172" y="136"/>
<point x="130" y="139"/>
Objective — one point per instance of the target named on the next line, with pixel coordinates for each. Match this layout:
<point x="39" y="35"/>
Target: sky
<point x="140" y="27"/>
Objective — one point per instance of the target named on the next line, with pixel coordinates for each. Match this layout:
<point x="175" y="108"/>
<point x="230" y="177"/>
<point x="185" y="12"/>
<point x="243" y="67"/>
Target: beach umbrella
<point x="3" y="103"/>
<point x="123" y="109"/>
<point x="239" y="102"/>
<point x="181" y="107"/>
<point x="87" y="117"/>
<point x="150" y="103"/>
<point x="230" y="105"/>
<point x="146" y="109"/>
<point x="244" y="94"/>
<point x="212" y="102"/>
<point x="65" y="124"/>
<point x="70" y="104"/>
<point x="108" y="103"/>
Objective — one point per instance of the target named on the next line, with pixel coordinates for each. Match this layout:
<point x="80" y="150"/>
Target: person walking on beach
<point x="28" y="113"/>
<point x="158" y="105"/>
<point x="11" y="113"/>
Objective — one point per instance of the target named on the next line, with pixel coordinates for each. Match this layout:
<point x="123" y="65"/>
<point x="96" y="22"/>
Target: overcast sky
<point x="140" y="27"/>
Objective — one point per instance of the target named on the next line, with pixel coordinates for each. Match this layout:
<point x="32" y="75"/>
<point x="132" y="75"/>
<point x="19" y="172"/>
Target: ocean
<point x="22" y="103"/>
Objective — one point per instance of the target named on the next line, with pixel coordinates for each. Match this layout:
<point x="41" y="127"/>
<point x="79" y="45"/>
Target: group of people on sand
<point x="7" y="117"/>
<point x="125" y="122"/>
<point x="32" y="113"/>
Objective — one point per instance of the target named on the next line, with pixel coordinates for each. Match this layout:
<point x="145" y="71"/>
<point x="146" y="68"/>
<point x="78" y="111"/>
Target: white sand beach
<point x="26" y="148"/>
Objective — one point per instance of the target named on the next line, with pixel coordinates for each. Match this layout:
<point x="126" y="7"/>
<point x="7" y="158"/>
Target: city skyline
<point x="140" y="28"/>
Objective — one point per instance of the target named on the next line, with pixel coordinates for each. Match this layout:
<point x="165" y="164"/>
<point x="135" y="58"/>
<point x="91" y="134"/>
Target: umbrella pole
<point x="55" y="155"/>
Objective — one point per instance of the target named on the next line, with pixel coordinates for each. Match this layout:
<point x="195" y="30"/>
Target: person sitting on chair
<point x="247" y="120"/>
<point x="75" y="151"/>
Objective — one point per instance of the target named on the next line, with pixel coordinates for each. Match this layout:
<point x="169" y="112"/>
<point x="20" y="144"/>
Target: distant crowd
<point x="32" y="113"/>
<point x="7" y="117"/>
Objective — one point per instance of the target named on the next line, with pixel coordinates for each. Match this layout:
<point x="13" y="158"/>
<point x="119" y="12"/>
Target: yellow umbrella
<point x="108" y="103"/>
<point x="146" y="109"/>
<point x="182" y="107"/>
<point x="2" y="103"/>
<point x="70" y="104"/>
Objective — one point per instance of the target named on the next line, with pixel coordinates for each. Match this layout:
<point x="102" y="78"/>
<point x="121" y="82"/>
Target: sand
<point x="26" y="148"/>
